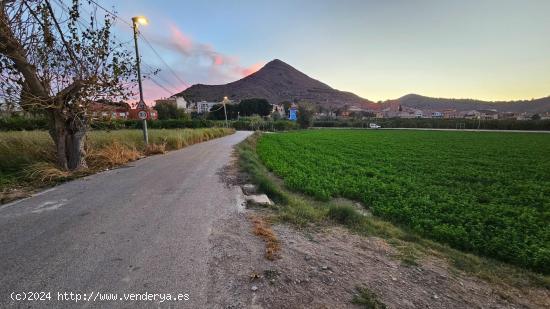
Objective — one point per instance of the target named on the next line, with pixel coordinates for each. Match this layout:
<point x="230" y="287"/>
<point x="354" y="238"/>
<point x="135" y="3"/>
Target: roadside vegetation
<point x="27" y="159"/>
<point x="367" y="299"/>
<point x="308" y="213"/>
<point x="434" y="123"/>
<point x="23" y="123"/>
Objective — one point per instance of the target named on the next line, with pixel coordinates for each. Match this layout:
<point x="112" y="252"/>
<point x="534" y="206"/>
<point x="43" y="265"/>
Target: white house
<point x="437" y="115"/>
<point x="204" y="106"/>
<point x="180" y="102"/>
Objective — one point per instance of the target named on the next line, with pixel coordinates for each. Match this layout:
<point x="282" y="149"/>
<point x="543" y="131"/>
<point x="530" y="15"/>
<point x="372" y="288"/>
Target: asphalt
<point x="142" y="228"/>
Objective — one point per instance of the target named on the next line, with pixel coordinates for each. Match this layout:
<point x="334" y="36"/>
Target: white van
<point x="374" y="126"/>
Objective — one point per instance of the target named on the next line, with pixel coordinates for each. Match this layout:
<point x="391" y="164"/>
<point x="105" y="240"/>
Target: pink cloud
<point x="180" y="40"/>
<point x="252" y="69"/>
<point x="218" y="60"/>
<point x="219" y="67"/>
<point x="187" y="47"/>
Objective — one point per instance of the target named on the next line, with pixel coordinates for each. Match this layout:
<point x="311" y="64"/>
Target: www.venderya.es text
<point x="94" y="296"/>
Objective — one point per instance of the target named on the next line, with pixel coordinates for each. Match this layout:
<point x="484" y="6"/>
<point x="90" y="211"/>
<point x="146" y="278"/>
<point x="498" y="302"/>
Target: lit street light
<point x="225" y="100"/>
<point x="141" y="105"/>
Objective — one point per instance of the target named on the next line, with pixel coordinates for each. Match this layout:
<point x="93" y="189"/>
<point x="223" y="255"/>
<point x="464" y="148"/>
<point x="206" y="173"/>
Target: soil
<point x="322" y="270"/>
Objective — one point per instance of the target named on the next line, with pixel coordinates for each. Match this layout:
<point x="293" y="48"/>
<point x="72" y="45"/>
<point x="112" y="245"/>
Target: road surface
<point x="142" y="228"/>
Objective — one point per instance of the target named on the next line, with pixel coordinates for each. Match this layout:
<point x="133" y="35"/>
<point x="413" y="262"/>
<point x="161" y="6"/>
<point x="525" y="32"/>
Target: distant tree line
<point x="501" y="124"/>
<point x="245" y="108"/>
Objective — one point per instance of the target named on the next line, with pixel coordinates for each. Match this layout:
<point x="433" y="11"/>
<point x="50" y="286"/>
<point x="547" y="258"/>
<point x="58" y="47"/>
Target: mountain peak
<point x="277" y="64"/>
<point x="277" y="81"/>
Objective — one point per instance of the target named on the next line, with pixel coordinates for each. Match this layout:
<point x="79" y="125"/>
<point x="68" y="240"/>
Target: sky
<point x="481" y="49"/>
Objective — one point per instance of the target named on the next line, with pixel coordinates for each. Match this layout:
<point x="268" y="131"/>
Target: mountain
<point x="421" y="102"/>
<point x="276" y="82"/>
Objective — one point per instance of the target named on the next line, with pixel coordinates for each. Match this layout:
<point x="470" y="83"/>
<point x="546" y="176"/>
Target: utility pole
<point x="225" y="111"/>
<point x="141" y="105"/>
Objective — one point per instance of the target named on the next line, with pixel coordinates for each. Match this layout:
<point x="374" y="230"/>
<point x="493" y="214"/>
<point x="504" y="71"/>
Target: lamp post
<point x="141" y="105"/>
<point x="225" y="111"/>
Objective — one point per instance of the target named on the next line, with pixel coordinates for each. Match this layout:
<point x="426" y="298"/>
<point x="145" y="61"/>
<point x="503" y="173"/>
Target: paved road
<point x="140" y="228"/>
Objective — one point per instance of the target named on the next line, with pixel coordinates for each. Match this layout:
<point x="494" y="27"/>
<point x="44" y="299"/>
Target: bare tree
<point x="56" y="60"/>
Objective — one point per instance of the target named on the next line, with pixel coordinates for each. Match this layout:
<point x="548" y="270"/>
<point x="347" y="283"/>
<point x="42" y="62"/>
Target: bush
<point x="23" y="123"/>
<point x="344" y="214"/>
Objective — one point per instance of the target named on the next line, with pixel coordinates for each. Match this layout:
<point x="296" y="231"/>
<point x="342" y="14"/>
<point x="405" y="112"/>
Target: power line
<point x="161" y="86"/>
<point x="146" y="41"/>
<point x="111" y="13"/>
<point x="161" y="59"/>
<point x="152" y="70"/>
<point x="151" y="77"/>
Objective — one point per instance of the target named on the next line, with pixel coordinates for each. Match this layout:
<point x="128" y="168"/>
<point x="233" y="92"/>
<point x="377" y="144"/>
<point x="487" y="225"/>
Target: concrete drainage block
<point x="259" y="199"/>
<point x="249" y="189"/>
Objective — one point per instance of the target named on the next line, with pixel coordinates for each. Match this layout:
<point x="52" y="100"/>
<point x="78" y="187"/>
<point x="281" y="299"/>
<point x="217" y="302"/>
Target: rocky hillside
<point x="276" y="82"/>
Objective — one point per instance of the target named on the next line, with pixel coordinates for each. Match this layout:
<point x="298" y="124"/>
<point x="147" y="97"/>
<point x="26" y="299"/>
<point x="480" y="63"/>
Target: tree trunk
<point x="69" y="138"/>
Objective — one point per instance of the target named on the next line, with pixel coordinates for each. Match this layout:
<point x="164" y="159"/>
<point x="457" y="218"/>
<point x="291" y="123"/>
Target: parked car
<point x="374" y="126"/>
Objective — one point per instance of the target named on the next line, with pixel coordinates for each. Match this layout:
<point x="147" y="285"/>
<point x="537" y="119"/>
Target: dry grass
<point x="111" y="155"/>
<point x="262" y="228"/>
<point x="45" y="172"/>
<point x="27" y="159"/>
<point x="153" y="149"/>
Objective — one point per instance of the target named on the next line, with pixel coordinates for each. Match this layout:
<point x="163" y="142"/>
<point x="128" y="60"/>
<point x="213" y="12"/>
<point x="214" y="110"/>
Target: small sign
<point x="142" y="115"/>
<point x="141" y="105"/>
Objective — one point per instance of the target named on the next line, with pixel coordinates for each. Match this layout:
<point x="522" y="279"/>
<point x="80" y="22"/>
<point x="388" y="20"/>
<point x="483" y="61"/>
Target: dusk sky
<point x="483" y="49"/>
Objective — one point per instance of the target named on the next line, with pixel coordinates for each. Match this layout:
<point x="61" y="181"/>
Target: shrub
<point x="344" y="214"/>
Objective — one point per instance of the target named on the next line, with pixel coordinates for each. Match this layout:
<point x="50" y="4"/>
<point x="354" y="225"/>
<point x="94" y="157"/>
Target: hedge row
<point x="28" y="124"/>
<point x="441" y="124"/>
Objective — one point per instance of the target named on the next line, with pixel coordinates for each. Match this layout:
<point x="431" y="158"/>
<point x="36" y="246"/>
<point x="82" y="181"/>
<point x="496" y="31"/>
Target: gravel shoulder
<point x="321" y="269"/>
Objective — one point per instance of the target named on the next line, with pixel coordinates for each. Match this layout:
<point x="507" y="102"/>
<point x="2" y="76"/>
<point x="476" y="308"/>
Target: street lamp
<point x="141" y="105"/>
<point x="225" y="100"/>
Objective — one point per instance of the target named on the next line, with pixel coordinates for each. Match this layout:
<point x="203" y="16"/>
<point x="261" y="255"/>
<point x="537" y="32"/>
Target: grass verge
<point x="27" y="159"/>
<point x="305" y="212"/>
<point x="367" y="299"/>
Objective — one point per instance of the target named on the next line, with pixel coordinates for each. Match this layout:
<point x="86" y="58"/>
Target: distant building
<point x="179" y="101"/>
<point x="437" y="115"/>
<point x="488" y="114"/>
<point x="473" y="114"/>
<point x="278" y="109"/>
<point x="108" y="110"/>
<point x="508" y="115"/>
<point x="204" y="106"/>
<point x="292" y="112"/>
<point x="524" y="116"/>
<point x="450" y="114"/>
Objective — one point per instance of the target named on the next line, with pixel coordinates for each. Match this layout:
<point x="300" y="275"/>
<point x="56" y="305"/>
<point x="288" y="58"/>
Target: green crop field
<point x="482" y="192"/>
